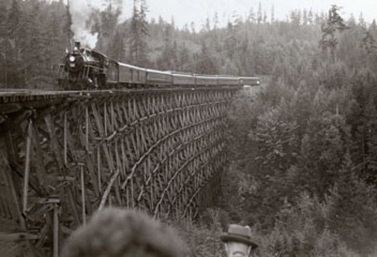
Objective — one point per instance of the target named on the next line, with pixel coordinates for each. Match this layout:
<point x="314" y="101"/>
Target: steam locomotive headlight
<point x="72" y="58"/>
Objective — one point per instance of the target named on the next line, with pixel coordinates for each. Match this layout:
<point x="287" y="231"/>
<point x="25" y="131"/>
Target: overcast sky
<point x="186" y="11"/>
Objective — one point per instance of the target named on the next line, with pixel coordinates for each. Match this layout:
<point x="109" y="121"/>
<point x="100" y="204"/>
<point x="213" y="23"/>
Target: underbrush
<point x="298" y="233"/>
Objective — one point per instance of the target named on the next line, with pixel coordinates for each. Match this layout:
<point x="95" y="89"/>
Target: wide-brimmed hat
<point x="238" y="233"/>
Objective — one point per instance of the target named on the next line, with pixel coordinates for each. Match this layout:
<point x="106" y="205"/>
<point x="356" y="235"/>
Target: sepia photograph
<point x="217" y="128"/>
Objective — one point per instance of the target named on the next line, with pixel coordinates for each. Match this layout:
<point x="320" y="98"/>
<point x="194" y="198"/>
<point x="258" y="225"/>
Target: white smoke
<point x="81" y="11"/>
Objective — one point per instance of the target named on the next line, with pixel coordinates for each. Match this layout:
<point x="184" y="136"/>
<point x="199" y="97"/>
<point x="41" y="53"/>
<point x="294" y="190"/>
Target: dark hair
<point x="115" y="232"/>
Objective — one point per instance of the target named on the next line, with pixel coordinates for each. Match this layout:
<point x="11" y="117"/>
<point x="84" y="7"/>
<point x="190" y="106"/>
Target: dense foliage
<point x="35" y="33"/>
<point x="304" y="161"/>
<point x="304" y="145"/>
<point x="33" y="37"/>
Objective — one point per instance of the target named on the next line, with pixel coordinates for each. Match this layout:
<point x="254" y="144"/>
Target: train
<point x="84" y="68"/>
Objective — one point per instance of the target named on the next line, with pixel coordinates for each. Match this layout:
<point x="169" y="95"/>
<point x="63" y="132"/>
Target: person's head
<point x="115" y="232"/>
<point x="237" y="241"/>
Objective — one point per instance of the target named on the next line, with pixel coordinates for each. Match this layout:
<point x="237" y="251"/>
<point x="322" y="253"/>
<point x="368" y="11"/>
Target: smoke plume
<point x="81" y="11"/>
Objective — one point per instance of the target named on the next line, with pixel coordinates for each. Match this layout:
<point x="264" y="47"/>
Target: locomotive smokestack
<point x="77" y="44"/>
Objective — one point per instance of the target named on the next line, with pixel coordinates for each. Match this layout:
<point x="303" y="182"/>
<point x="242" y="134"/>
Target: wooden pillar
<point x="82" y="177"/>
<point x="27" y="166"/>
<point x="65" y="142"/>
<point x="56" y="230"/>
<point x="99" y="173"/>
<point x="86" y="129"/>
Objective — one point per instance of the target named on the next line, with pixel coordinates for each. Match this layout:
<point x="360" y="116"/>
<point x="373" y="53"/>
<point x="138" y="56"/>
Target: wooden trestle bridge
<point x="65" y="154"/>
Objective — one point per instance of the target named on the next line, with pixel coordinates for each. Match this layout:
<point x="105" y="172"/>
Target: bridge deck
<point x="19" y="95"/>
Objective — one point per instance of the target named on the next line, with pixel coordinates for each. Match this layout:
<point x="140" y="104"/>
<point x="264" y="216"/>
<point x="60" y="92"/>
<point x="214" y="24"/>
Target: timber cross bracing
<point x="64" y="155"/>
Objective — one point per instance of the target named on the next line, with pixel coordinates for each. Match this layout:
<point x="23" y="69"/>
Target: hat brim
<point x="226" y="237"/>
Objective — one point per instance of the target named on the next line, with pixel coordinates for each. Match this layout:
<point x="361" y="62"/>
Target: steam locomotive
<point x="84" y="68"/>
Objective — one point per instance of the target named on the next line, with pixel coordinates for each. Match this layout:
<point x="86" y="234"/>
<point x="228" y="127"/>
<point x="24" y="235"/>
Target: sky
<point x="186" y="11"/>
<point x="197" y="11"/>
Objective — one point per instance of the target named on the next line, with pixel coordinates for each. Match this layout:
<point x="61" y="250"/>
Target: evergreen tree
<point x="192" y="27"/>
<point x="251" y="16"/>
<point x="310" y="17"/>
<point x="3" y="45"/>
<point x="138" y="34"/>
<point x="67" y="28"/>
<point x="14" y="22"/>
<point x="362" y="22"/>
<point x="373" y="27"/>
<point x="352" y="207"/>
<point x="184" y="59"/>
<point x="259" y="13"/>
<point x="215" y="20"/>
<point x="117" y="47"/>
<point x="206" y="25"/>
<point x="296" y="17"/>
<point x="369" y="42"/>
<point x="264" y="17"/>
<point x="55" y="41"/>
<point x="106" y="23"/>
<point x="272" y="14"/>
<point x="205" y="62"/>
<point x="230" y="43"/>
<point x="168" y="56"/>
<point x="12" y="47"/>
<point x="35" y="45"/>
<point x="3" y="13"/>
<point x="305" y="17"/>
<point x="334" y="23"/>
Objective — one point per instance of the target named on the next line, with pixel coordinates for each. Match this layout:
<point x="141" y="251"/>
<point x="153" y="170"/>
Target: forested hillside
<point x="33" y="37"/>
<point x="303" y="148"/>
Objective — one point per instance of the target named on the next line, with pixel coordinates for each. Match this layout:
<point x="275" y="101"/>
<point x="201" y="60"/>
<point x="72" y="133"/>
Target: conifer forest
<point x="302" y="146"/>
